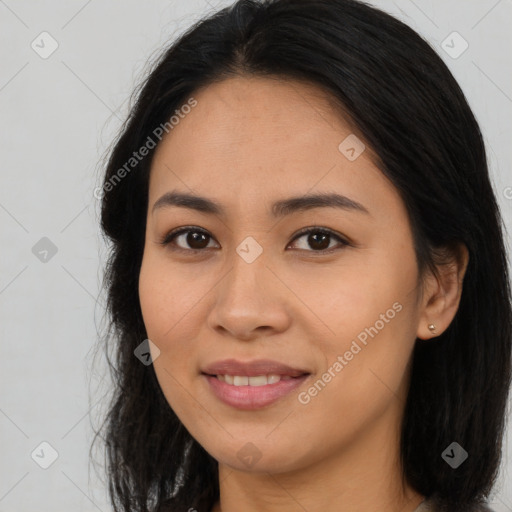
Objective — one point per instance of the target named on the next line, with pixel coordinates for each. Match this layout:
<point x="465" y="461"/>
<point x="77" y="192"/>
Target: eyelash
<point x="168" y="238"/>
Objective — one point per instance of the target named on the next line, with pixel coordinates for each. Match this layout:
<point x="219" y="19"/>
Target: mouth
<point x="249" y="397"/>
<point x="252" y="385"/>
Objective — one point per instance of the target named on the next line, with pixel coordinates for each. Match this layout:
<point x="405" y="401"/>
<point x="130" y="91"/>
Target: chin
<point x="259" y="457"/>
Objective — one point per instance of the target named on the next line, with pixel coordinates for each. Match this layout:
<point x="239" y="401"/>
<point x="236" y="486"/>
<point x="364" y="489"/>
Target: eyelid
<point x="343" y="241"/>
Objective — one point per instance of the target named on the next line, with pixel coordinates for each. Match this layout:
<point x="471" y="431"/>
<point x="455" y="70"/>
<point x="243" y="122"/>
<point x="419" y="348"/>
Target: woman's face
<point x="335" y="319"/>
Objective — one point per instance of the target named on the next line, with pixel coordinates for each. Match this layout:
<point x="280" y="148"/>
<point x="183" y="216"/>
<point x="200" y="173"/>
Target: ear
<point x="442" y="292"/>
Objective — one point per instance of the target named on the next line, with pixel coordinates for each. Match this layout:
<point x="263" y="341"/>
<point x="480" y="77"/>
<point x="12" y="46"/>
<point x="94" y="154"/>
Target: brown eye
<point x="319" y="239"/>
<point x="193" y="239"/>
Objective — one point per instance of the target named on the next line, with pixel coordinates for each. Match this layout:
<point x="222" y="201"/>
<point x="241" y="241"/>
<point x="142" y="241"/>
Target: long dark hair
<point x="412" y="113"/>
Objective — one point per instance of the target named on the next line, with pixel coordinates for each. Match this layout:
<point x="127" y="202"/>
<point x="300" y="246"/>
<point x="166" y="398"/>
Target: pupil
<point x="322" y="244"/>
<point x="194" y="240"/>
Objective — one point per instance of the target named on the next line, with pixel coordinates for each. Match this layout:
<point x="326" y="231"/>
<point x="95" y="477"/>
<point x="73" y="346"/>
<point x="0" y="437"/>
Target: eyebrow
<point x="280" y="208"/>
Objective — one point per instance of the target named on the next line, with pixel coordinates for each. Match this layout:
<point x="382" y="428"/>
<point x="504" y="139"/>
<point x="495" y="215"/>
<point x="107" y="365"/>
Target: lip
<point x="252" y="368"/>
<point x="252" y="397"/>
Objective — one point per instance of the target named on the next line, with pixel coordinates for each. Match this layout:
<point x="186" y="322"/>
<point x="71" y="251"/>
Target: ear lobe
<point x="442" y="292"/>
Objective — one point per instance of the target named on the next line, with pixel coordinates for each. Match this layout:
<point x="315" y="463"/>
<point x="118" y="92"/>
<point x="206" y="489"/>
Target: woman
<point x="308" y="286"/>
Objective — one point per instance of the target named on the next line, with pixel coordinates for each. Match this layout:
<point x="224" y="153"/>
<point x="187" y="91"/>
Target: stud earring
<point x="432" y="328"/>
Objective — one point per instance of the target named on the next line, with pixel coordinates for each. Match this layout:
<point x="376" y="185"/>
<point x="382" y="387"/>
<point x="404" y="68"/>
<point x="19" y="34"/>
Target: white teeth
<point x="258" y="380"/>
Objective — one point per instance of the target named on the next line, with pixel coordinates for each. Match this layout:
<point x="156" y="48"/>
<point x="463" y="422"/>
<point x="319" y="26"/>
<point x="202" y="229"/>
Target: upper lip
<point x="252" y="368"/>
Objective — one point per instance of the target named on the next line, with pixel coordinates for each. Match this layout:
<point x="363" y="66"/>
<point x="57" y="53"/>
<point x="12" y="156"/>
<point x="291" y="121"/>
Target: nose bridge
<point x="248" y="269"/>
<point x="245" y="299"/>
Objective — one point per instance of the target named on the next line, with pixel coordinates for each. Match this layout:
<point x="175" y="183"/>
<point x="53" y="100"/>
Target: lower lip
<point x="253" y="397"/>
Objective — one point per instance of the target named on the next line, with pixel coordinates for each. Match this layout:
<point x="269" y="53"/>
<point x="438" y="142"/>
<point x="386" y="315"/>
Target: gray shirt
<point x="427" y="506"/>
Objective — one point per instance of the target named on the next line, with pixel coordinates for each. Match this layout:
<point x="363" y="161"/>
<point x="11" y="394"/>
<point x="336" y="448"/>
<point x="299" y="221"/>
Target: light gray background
<point x="58" y="116"/>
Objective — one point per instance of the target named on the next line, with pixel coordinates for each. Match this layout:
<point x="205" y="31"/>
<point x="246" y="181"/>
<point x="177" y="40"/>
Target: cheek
<point x="170" y="300"/>
<point x="351" y="297"/>
<point x="371" y="313"/>
<point x="167" y="296"/>
<point x="164" y="316"/>
<point x="155" y="300"/>
<point x="364" y="375"/>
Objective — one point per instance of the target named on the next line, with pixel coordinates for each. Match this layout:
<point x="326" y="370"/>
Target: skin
<point x="248" y="142"/>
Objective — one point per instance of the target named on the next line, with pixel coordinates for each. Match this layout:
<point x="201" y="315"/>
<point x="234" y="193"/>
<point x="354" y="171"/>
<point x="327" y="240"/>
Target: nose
<point x="250" y="301"/>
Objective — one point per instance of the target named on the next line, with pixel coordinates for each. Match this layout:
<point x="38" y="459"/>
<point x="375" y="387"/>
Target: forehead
<point x="260" y="137"/>
<point x="259" y="109"/>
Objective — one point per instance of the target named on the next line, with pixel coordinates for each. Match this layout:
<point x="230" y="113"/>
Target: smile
<point x="256" y="392"/>
<point x="258" y="380"/>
